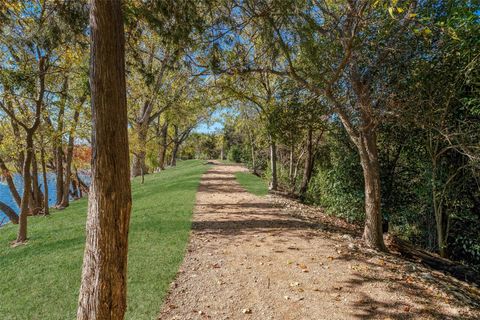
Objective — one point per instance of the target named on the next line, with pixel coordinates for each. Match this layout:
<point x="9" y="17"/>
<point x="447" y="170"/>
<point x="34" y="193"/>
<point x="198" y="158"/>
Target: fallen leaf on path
<point x="247" y="311"/>
<point x="302" y="266"/>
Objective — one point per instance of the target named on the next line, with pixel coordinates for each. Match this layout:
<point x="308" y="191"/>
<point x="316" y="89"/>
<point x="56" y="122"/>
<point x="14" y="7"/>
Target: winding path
<point x="248" y="258"/>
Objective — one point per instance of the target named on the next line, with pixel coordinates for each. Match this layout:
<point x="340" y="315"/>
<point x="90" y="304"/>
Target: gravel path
<point x="249" y="258"/>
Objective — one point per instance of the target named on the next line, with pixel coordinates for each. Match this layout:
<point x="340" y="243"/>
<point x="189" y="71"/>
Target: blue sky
<point x="216" y="121"/>
<point x="209" y="127"/>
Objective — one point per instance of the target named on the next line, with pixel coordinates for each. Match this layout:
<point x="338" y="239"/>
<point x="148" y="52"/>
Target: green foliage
<point x="50" y="264"/>
<point x="235" y="154"/>
<point x="337" y="184"/>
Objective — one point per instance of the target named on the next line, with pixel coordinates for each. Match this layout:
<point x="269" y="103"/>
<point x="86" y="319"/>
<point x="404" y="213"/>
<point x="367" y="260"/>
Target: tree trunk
<point x="11" y="185"/>
<point x="173" y="162"/>
<point x="273" y="164"/>
<point x="441" y="218"/>
<point x="372" y="235"/>
<point x="138" y="166"/>
<point x="12" y="216"/>
<point x="45" y="182"/>
<point x="308" y="169"/>
<point x="254" y="164"/>
<point x="59" y="174"/>
<point x="37" y="193"/>
<point x="365" y="139"/>
<point x="58" y="143"/>
<point x="22" y="230"/>
<point x="68" y="163"/>
<point x="290" y="163"/>
<point x="163" y="146"/>
<point x="103" y="288"/>
<point x="75" y="189"/>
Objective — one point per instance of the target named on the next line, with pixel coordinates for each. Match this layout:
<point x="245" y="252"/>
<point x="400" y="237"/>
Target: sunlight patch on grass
<point x="252" y="183"/>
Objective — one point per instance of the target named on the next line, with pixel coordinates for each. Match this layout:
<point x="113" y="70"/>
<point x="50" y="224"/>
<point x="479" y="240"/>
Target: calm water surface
<point x="6" y="197"/>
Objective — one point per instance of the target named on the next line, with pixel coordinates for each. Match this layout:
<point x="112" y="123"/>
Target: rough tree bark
<point x="372" y="234"/>
<point x="104" y="275"/>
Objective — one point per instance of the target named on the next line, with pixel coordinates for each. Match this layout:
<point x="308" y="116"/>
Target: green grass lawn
<point x="252" y="183"/>
<point x="41" y="280"/>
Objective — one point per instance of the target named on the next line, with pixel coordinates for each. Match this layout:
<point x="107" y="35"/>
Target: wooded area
<point x="368" y="109"/>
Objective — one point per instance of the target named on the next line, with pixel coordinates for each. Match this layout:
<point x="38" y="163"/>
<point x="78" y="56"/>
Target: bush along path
<point x="252" y="257"/>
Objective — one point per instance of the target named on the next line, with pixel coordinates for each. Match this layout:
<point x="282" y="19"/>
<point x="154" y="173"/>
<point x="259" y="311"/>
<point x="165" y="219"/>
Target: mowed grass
<point x="252" y="183"/>
<point x="41" y="280"/>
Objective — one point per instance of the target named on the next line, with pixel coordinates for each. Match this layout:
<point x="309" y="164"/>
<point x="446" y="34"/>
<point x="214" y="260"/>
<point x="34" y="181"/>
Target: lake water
<point x="5" y="195"/>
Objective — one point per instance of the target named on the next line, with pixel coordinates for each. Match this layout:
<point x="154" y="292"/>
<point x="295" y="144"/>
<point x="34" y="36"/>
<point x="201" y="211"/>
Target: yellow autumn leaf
<point x="390" y="10"/>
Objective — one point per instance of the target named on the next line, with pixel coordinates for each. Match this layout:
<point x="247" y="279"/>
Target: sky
<point x="216" y="122"/>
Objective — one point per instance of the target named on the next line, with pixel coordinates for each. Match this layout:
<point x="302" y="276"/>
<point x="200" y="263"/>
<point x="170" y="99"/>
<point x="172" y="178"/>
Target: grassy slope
<point x="41" y="280"/>
<point x="252" y="183"/>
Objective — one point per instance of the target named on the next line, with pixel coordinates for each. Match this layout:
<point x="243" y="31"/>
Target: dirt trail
<point x="249" y="258"/>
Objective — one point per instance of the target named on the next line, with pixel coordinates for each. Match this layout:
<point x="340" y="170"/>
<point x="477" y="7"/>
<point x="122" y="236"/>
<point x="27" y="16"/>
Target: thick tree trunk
<point x="103" y="289"/>
<point x="11" y="185"/>
<point x="45" y="182"/>
<point x="273" y="165"/>
<point x="372" y="235"/>
<point x="308" y="168"/>
<point x="12" y="216"/>
<point x="68" y="162"/>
